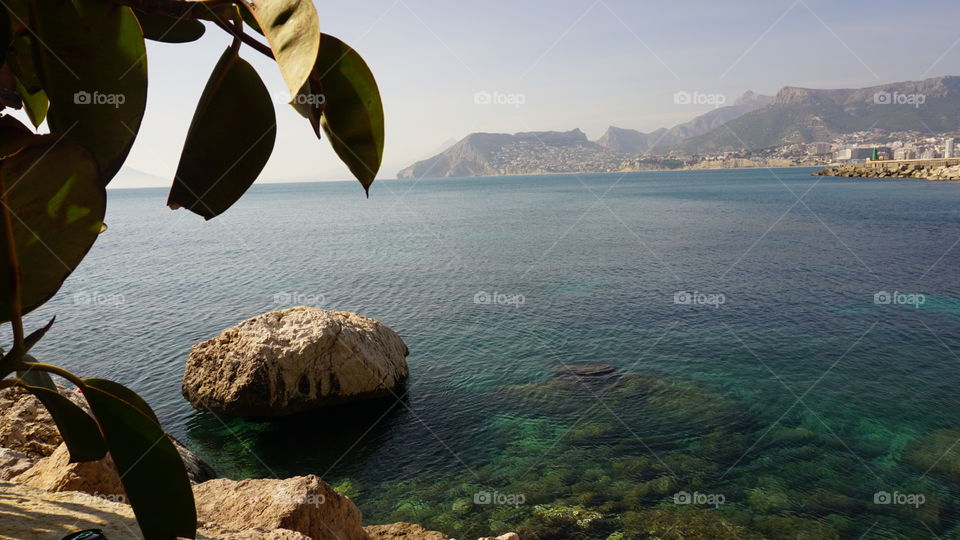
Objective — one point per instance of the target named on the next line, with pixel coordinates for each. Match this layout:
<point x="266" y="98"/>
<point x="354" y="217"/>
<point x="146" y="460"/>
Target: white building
<point x="948" y="150"/>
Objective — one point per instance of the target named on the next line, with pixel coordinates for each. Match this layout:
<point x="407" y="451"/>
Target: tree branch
<point x="244" y="37"/>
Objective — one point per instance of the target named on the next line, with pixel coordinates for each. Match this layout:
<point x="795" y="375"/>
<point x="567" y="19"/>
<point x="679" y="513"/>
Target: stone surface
<point x="304" y="504"/>
<point x="26" y="426"/>
<point x="403" y="531"/>
<point x="56" y="473"/>
<point x="294" y="360"/>
<point x="508" y="536"/>
<point x="29" y="513"/>
<point x="13" y="463"/>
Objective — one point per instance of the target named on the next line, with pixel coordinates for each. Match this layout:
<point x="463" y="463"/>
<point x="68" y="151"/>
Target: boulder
<point x="56" y="473"/>
<point x="403" y="531"/>
<point x="304" y="504"/>
<point x="13" y="463"/>
<point x="294" y="360"/>
<point x="28" y="430"/>
<point x="33" y="513"/>
<point x="26" y="426"/>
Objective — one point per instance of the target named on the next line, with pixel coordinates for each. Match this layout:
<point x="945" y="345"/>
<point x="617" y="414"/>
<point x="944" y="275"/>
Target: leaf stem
<point x="247" y="39"/>
<point x="49" y="368"/>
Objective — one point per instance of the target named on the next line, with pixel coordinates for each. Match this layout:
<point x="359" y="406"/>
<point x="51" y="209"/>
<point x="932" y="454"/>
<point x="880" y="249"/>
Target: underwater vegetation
<point x="635" y="456"/>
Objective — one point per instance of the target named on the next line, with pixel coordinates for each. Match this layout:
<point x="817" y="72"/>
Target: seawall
<point x="927" y="169"/>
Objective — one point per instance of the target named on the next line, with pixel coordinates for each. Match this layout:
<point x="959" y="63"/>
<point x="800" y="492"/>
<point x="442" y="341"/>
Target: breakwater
<point x="926" y="169"/>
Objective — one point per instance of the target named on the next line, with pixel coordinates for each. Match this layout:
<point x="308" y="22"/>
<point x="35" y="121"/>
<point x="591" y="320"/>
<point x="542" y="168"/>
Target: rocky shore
<point x="940" y="169"/>
<point x="43" y="495"/>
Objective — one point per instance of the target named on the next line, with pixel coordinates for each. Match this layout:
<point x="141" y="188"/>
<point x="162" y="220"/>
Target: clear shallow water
<point x="795" y="401"/>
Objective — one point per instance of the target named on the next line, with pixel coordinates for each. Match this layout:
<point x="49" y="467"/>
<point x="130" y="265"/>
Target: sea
<point x="787" y="347"/>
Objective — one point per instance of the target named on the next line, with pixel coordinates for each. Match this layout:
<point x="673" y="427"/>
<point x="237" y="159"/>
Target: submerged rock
<point x="589" y="369"/>
<point x="294" y="360"/>
<point x="937" y="453"/>
<point x="303" y="504"/>
<point x="403" y="531"/>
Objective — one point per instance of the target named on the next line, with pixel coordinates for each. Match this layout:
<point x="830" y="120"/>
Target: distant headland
<point x="797" y="127"/>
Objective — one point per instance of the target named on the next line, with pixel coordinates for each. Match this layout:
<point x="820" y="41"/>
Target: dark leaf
<point x="293" y="31"/>
<point x="38" y="334"/>
<point x="93" y="67"/>
<point x="169" y="29"/>
<point x="230" y="139"/>
<point x="150" y="467"/>
<point x="9" y="97"/>
<point x="57" y="205"/>
<point x="6" y="33"/>
<point x="352" y="113"/>
<point x="13" y="135"/>
<point x="21" y="60"/>
<point x="77" y="428"/>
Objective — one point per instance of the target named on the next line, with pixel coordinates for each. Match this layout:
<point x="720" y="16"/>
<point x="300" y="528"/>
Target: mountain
<point x="490" y="154"/>
<point x="803" y="115"/>
<point x="630" y="141"/>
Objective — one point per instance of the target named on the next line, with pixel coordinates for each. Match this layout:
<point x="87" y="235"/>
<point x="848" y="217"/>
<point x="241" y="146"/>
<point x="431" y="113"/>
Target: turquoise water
<point x="783" y="411"/>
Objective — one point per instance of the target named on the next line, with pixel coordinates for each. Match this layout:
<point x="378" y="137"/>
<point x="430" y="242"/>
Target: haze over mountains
<point x="753" y="122"/>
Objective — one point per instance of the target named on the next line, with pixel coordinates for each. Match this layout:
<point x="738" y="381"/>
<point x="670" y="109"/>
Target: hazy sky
<point x="571" y="63"/>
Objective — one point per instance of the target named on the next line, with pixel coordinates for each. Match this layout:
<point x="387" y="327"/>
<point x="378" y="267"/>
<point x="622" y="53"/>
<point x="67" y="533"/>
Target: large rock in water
<point x="294" y="360"/>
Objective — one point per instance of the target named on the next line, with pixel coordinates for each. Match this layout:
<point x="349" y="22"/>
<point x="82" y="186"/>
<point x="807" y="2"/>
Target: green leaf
<point x="150" y="467"/>
<point x="57" y="205"/>
<point x="169" y="29"/>
<point x="292" y="29"/>
<point x="93" y="67"/>
<point x="36" y="104"/>
<point x="13" y="135"/>
<point x="77" y="428"/>
<point x="132" y="398"/>
<point x="353" y="112"/>
<point x="229" y="141"/>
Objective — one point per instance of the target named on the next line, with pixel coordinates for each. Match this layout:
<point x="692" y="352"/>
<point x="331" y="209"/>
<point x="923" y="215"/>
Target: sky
<point x="555" y="65"/>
